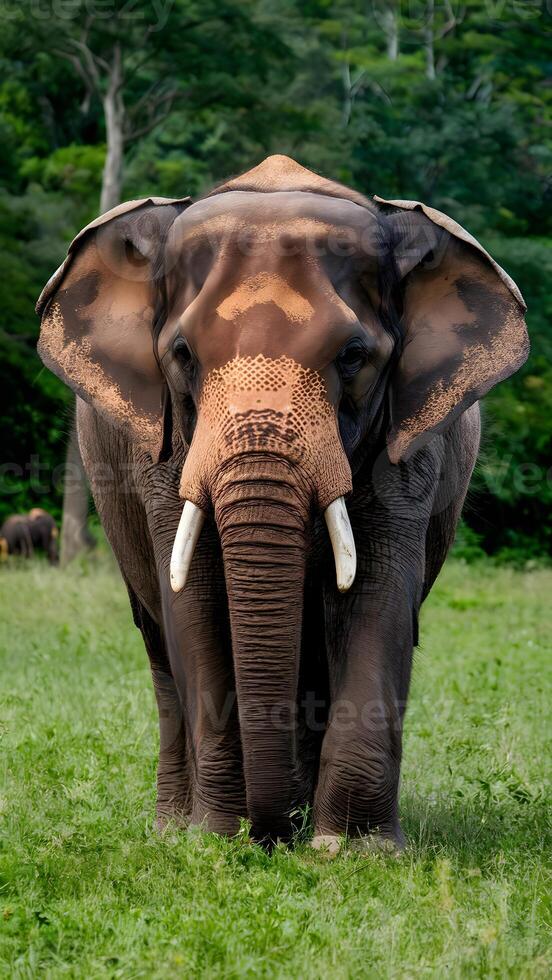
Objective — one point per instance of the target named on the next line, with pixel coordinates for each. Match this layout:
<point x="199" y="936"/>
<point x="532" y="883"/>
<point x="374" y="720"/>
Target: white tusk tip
<point x="345" y="584"/>
<point x="189" y="529"/>
<point x="176" y="583"/>
<point x="343" y="543"/>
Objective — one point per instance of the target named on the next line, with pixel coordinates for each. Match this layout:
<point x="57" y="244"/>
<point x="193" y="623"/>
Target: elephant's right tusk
<point x="343" y="543"/>
<point x="189" y="529"/>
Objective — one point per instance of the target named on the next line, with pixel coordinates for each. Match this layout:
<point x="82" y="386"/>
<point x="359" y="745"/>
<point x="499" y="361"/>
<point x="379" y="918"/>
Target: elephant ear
<point x="97" y="316"/>
<point x="462" y="323"/>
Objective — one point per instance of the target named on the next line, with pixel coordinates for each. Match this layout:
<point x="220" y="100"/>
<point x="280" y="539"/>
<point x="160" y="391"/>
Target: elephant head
<point x="279" y="327"/>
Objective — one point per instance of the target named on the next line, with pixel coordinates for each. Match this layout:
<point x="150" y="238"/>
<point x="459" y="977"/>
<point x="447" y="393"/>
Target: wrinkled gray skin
<point x="274" y="690"/>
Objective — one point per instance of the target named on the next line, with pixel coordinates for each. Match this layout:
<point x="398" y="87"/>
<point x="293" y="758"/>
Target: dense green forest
<point x="446" y="102"/>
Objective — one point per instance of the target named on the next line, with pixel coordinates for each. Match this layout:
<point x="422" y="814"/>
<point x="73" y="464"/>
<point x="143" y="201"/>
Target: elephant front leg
<point x="200" y="651"/>
<point x="173" y="782"/>
<point x="370" y="646"/>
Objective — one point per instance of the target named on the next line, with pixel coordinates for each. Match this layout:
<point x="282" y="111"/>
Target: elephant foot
<point x="214" y="822"/>
<point x="330" y="845"/>
<point x="171" y="817"/>
<point x="377" y="844"/>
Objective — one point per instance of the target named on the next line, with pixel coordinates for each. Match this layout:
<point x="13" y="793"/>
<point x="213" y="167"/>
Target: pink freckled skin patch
<point x="266" y="287"/>
<point x="264" y="404"/>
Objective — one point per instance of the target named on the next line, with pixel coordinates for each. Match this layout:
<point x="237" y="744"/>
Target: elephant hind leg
<point x="173" y="782"/>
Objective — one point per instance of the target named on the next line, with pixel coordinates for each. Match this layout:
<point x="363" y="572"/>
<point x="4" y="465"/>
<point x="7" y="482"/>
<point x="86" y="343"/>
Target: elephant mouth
<point x="337" y="522"/>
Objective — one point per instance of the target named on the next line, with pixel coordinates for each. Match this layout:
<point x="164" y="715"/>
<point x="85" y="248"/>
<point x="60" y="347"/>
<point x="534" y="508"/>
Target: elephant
<point x="15" y="537"/>
<point x="23" y="534"/>
<point x="278" y="390"/>
<point x="44" y="533"/>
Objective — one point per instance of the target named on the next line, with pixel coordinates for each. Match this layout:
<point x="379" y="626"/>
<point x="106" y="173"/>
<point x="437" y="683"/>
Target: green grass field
<point x="87" y="890"/>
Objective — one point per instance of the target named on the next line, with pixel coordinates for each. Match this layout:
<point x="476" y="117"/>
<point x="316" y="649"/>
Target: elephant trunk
<point x="265" y="453"/>
<point x="262" y="510"/>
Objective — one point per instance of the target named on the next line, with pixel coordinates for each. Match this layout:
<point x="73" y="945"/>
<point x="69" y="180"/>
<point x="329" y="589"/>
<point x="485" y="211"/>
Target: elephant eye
<point x="181" y="366"/>
<point x="351" y="360"/>
<point x="182" y="352"/>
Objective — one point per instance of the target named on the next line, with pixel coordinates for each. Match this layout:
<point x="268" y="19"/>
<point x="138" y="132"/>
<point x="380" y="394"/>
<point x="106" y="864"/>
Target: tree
<point x="119" y="77"/>
<point x="105" y="76"/>
<point x="132" y="65"/>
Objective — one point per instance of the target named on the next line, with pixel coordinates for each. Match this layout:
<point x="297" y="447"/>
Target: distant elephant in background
<point x="22" y="534"/>
<point x="44" y="533"/>
<point x="262" y="354"/>
<point x="15" y="537"/>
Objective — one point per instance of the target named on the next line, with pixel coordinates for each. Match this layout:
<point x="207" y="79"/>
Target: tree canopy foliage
<point x="434" y="100"/>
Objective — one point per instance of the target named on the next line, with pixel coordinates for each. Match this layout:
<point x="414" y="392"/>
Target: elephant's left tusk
<point x="343" y="543"/>
<point x="189" y="529"/>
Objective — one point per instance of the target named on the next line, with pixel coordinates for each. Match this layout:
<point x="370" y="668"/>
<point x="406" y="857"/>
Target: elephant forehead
<point x="266" y="287"/>
<point x="259" y="227"/>
<point x="286" y="220"/>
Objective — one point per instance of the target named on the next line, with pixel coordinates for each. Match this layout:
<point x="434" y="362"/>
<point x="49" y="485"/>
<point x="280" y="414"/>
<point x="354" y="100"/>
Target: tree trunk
<point x="391" y="28"/>
<point x="347" y="98"/>
<point x="75" y="535"/>
<point x="114" y="112"/>
<point x="429" y="42"/>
